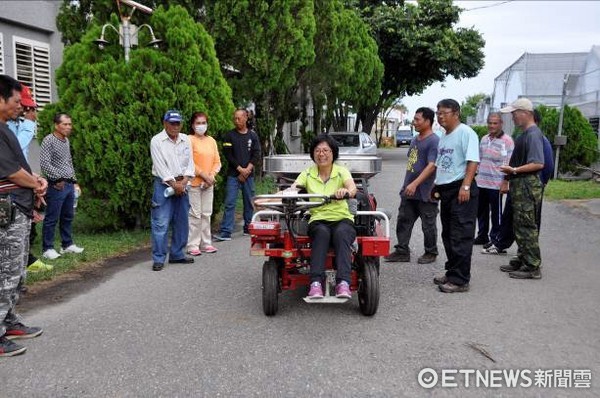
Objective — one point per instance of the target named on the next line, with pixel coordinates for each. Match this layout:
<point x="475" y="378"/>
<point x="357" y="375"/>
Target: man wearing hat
<point x="172" y="168"/>
<point x="522" y="178"/>
<point x="25" y="128"/>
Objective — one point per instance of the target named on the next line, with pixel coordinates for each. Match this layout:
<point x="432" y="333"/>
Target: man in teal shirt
<point x="456" y="164"/>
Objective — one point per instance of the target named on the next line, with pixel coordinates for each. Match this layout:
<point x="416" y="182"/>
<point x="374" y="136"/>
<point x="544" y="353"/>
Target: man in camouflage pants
<point x="19" y="188"/>
<point x="526" y="191"/>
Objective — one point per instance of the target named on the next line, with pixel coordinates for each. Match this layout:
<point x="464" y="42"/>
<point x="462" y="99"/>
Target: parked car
<point x="355" y="143"/>
<point x="404" y="135"/>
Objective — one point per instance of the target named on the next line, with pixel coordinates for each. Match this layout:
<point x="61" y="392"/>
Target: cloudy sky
<point x="511" y="28"/>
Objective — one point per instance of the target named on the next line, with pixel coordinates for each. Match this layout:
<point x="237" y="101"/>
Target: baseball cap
<point x="522" y="104"/>
<point x="26" y="99"/>
<point x="172" y="116"/>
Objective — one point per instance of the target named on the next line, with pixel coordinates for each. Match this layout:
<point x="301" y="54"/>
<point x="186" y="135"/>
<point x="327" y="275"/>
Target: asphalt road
<point x="199" y="330"/>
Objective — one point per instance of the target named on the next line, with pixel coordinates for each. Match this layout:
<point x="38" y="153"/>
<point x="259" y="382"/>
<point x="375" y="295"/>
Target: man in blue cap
<point x="172" y="168"/>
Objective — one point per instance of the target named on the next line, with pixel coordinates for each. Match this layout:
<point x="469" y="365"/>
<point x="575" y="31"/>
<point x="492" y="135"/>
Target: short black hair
<point x="449" y="103"/>
<point x="428" y="114"/>
<point x="7" y="86"/>
<point x="59" y="116"/>
<point x="329" y="140"/>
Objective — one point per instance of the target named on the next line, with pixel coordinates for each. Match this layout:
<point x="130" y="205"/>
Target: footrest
<point x="325" y="300"/>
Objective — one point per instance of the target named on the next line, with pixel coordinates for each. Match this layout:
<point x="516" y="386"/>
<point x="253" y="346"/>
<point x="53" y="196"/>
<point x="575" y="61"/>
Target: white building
<point x="540" y="77"/>
<point x="30" y="45"/>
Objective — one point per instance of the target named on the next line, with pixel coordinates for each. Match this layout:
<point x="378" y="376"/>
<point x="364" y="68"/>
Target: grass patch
<point x="558" y="190"/>
<point x="98" y="246"/>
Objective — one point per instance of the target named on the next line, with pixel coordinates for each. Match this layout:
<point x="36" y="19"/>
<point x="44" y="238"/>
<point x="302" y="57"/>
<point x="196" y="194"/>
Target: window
<point x="32" y="66"/>
<point x="1" y="55"/>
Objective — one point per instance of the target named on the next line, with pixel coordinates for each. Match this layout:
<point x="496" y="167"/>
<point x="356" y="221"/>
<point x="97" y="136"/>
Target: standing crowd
<point x="184" y="169"/>
<point x="470" y="179"/>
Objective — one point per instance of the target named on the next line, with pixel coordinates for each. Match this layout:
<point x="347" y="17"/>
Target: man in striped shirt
<point x="495" y="150"/>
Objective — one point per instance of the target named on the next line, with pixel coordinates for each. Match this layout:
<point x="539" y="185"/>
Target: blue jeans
<point x="231" y="194"/>
<point x="172" y="211"/>
<point x="59" y="209"/>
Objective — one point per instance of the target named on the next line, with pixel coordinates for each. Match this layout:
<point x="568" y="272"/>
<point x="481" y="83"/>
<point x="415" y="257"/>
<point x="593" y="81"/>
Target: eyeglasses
<point x="323" y="150"/>
<point x="174" y="123"/>
<point x="438" y="114"/>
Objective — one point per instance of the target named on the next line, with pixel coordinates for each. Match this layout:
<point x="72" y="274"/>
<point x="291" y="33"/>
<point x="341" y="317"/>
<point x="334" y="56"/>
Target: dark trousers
<point x="340" y="235"/>
<point x="59" y="210"/>
<point x="506" y="234"/>
<point x="489" y="207"/>
<point x="458" y="230"/>
<point x="408" y="212"/>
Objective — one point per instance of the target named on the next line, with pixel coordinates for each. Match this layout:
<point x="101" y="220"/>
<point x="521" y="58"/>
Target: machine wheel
<point x="270" y="287"/>
<point x="368" y="289"/>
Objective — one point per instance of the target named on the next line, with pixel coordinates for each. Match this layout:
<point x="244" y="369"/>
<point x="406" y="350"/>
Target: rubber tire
<point x="368" y="288"/>
<point x="270" y="288"/>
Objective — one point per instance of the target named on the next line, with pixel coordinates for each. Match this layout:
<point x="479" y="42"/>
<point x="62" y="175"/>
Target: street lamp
<point x="128" y="32"/>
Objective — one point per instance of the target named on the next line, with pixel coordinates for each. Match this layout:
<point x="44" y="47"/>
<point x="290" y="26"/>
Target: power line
<point x="488" y="6"/>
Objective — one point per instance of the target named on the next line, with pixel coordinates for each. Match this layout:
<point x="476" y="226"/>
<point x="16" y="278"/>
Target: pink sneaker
<point x="316" y="291"/>
<point x="209" y="249"/>
<point x="342" y="290"/>
<point x="194" y="252"/>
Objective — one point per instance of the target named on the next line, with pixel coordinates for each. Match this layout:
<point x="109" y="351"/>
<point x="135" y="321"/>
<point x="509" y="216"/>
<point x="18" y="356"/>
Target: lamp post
<point x="128" y="32"/>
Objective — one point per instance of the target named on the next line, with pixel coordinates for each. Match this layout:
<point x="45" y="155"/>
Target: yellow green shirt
<point x="336" y="210"/>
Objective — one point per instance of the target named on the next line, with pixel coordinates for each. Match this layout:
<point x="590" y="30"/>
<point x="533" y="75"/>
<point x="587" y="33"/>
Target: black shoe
<point x="480" y="240"/>
<point x="185" y="260"/>
<point x="246" y="232"/>
<point x="510" y="267"/>
<point x="450" y="287"/>
<point x="397" y="257"/>
<point x="9" y="348"/>
<point x="527" y="273"/>
<point x="440" y="279"/>
<point x="157" y="266"/>
<point x="427" y="258"/>
<point x="487" y="245"/>
<point x="514" y="261"/>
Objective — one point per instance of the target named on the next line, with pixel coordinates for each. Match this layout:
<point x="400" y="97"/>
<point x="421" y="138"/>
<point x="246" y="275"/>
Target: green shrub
<point x="582" y="142"/>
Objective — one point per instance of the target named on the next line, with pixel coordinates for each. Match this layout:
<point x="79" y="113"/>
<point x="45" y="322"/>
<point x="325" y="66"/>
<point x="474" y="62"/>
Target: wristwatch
<point x="514" y="170"/>
<point x="466" y="187"/>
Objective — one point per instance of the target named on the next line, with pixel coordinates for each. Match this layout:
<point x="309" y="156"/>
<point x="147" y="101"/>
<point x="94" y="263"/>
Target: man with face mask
<point x="207" y="164"/>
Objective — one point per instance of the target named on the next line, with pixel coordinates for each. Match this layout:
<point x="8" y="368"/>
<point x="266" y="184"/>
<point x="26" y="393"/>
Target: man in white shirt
<point x="172" y="168"/>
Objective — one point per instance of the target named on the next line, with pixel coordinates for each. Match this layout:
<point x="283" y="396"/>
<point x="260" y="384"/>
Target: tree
<point x="468" y="108"/>
<point x="347" y="71"/>
<point x="117" y="107"/>
<point x="582" y="142"/>
<point x="265" y="43"/>
<point x="418" y="45"/>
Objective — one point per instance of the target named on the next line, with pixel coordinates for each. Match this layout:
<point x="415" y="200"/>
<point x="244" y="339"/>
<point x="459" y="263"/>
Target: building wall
<point x="32" y="23"/>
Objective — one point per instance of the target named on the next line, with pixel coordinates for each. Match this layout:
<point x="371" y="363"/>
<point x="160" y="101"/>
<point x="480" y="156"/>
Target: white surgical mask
<point x="201" y="128"/>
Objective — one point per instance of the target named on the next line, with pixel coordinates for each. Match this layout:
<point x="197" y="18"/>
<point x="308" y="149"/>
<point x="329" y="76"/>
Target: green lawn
<point x="98" y="246"/>
<point x="558" y="190"/>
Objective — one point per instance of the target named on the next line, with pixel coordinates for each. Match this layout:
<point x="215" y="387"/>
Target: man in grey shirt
<point x="415" y="194"/>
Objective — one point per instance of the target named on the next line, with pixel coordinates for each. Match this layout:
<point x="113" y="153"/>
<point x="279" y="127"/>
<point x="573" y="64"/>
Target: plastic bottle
<point x="77" y="193"/>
